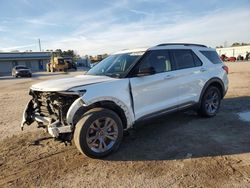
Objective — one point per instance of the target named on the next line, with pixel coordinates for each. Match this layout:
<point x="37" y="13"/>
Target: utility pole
<point x="39" y="42"/>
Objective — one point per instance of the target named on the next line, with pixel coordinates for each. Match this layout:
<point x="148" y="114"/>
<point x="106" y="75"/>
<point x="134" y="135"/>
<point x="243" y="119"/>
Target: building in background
<point x="98" y="58"/>
<point x="35" y="60"/>
<point x="83" y="62"/>
<point x="234" y="51"/>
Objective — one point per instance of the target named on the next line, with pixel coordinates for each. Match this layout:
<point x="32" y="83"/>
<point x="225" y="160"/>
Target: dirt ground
<point x="177" y="150"/>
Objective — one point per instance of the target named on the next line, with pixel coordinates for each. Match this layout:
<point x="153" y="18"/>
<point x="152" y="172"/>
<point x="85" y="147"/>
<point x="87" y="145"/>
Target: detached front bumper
<point x="54" y="129"/>
<point x="28" y="117"/>
<point x="56" y="123"/>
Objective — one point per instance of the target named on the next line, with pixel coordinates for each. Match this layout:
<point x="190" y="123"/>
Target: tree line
<point x="235" y="44"/>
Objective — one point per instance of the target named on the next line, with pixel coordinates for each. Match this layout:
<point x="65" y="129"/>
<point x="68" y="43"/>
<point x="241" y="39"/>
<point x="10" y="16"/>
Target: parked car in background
<point x="240" y="58"/>
<point x="223" y="57"/>
<point x="231" y="59"/>
<point x="21" y="71"/>
<point x="124" y="88"/>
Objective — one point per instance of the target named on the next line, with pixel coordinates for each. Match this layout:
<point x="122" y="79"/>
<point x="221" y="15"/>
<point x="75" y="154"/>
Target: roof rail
<point x="184" y="44"/>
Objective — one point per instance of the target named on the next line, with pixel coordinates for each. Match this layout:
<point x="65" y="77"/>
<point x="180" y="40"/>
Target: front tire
<point x="98" y="133"/>
<point x="210" y="102"/>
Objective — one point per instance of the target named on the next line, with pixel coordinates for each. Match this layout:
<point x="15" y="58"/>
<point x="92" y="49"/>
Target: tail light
<point x="226" y="68"/>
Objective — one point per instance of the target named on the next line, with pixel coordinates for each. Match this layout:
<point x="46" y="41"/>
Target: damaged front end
<point x="49" y="110"/>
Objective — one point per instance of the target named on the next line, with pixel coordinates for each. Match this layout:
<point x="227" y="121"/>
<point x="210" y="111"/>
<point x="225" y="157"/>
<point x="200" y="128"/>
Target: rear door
<point x="190" y="75"/>
<point x="157" y="91"/>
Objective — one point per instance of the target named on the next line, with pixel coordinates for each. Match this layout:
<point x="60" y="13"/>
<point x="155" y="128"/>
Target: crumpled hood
<point x="64" y="84"/>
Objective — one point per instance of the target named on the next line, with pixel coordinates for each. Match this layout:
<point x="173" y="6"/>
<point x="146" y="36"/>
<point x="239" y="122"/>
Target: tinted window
<point x="212" y="56"/>
<point x="159" y="60"/>
<point x="185" y="59"/>
<point x="197" y="61"/>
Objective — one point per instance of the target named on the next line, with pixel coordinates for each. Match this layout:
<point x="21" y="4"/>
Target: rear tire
<point x="98" y="133"/>
<point x="210" y="102"/>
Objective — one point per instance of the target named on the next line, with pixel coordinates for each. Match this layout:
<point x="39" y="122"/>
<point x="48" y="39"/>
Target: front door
<point x="156" y="91"/>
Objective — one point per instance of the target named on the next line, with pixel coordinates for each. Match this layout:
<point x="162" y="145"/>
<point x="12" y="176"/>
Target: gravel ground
<point x="177" y="150"/>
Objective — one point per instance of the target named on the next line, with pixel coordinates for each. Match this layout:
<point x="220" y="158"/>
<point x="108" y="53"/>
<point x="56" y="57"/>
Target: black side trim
<point x="166" y="111"/>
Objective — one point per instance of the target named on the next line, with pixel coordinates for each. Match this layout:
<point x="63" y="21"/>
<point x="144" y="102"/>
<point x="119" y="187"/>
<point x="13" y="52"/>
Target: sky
<point x="99" y="26"/>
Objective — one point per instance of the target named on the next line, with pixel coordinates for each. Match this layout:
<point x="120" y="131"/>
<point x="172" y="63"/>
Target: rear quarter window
<point x="212" y="56"/>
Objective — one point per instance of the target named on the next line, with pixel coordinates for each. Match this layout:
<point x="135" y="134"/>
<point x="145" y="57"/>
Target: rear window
<point x="212" y="56"/>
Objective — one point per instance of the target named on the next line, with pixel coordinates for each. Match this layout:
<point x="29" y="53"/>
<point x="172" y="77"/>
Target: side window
<point x="212" y="56"/>
<point x="184" y="59"/>
<point x="197" y="61"/>
<point x="158" y="60"/>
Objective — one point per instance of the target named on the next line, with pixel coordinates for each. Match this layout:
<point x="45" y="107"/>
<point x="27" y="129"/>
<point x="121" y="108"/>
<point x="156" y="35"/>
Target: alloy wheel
<point x="212" y="102"/>
<point x="102" y="134"/>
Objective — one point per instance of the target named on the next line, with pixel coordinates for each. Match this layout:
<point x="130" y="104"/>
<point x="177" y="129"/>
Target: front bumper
<point x="54" y="129"/>
<point x="55" y="124"/>
<point x="23" y="74"/>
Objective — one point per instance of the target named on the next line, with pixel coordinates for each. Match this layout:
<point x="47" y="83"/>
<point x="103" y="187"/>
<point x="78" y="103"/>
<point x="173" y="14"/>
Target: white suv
<point x="126" y="87"/>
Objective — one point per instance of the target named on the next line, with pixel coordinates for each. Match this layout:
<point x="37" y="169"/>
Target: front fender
<point x="75" y="106"/>
<point x="81" y="102"/>
<point x="127" y="111"/>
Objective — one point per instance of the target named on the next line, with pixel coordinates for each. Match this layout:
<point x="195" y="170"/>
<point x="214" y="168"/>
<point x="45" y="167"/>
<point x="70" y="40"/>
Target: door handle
<point x="203" y="69"/>
<point x="168" y="77"/>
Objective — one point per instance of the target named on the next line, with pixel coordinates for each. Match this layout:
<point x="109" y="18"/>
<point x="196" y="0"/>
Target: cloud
<point x="41" y="22"/>
<point x="2" y="29"/>
<point x="127" y="24"/>
<point x="17" y="47"/>
<point x="140" y="12"/>
<point x="211" y="29"/>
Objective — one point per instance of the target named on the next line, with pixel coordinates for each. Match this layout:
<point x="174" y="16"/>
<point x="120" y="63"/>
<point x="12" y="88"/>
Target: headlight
<point x="16" y="72"/>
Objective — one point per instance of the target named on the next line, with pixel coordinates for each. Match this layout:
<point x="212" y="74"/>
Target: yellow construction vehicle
<point x="56" y="64"/>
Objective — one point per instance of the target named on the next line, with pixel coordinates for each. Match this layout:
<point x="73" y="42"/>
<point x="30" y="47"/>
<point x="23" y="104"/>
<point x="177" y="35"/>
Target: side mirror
<point x="146" y="71"/>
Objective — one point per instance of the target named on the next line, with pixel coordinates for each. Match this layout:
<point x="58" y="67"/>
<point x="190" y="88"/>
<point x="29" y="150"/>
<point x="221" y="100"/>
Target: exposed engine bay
<point x="49" y="110"/>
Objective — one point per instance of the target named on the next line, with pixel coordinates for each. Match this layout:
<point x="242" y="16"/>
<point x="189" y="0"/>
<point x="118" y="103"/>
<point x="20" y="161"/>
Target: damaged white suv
<point x="126" y="87"/>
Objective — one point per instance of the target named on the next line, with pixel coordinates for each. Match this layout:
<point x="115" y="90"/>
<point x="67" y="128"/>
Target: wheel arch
<point x="78" y="108"/>
<point x="111" y="105"/>
<point x="217" y="82"/>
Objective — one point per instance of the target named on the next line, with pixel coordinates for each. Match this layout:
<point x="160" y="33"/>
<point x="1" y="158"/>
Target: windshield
<point x="115" y="65"/>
